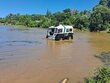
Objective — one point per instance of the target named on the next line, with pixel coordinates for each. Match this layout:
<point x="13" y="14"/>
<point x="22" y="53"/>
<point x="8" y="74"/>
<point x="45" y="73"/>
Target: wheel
<point x="61" y="39"/>
<point x="46" y="36"/>
<point x="57" y="38"/>
<point x="69" y="38"/>
<point x="72" y="37"/>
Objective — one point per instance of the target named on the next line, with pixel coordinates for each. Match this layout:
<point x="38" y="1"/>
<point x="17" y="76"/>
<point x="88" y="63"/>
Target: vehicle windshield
<point x="51" y="31"/>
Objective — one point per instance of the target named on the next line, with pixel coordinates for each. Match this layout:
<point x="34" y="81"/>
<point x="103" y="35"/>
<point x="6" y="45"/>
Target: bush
<point x="101" y="76"/>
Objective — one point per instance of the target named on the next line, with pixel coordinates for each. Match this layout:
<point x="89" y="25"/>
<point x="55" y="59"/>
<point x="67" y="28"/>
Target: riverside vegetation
<point x="103" y="74"/>
<point x="96" y="20"/>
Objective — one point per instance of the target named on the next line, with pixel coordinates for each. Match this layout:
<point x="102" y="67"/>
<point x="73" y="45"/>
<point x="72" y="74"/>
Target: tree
<point x="103" y="2"/>
<point x="81" y="20"/>
<point x="0" y="20"/>
<point x="48" y="14"/>
<point x="66" y="14"/>
<point x="99" y="18"/>
<point x="59" y="16"/>
<point x="108" y="4"/>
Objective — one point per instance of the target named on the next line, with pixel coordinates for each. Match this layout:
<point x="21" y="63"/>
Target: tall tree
<point x="103" y="2"/>
<point x="108" y="4"/>
<point x="48" y="14"/>
<point x="100" y="18"/>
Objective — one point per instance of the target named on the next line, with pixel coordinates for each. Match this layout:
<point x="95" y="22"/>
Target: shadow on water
<point x="18" y="29"/>
<point x="22" y="42"/>
<point x="19" y="43"/>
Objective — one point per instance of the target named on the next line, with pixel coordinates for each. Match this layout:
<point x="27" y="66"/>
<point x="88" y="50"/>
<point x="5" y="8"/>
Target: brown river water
<point x="26" y="56"/>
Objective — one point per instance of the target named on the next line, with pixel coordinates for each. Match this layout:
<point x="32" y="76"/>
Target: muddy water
<point x="101" y="41"/>
<point x="27" y="57"/>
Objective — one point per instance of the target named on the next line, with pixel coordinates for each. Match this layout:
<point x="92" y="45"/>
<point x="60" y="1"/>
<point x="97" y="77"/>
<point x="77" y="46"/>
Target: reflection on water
<point x="28" y="57"/>
<point x="54" y="45"/>
<point x="58" y="47"/>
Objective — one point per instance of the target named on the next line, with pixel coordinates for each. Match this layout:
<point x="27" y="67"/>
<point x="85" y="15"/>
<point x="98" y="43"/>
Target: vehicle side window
<point x="59" y="30"/>
<point x="67" y="30"/>
<point x="70" y="30"/>
<point x="55" y="30"/>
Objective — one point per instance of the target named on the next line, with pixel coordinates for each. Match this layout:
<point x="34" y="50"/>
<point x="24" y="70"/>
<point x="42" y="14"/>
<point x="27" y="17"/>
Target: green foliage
<point x="103" y="2"/>
<point x="101" y="76"/>
<point x="48" y="14"/>
<point x="108" y="4"/>
<point x="82" y="21"/>
<point x="100" y="18"/>
<point x="45" y="23"/>
<point x="97" y="20"/>
<point x="66" y="17"/>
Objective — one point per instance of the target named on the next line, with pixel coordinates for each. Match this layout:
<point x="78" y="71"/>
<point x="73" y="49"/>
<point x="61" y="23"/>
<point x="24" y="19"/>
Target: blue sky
<point x="41" y="6"/>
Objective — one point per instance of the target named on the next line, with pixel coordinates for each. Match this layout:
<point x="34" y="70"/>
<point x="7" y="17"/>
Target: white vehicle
<point x="60" y="32"/>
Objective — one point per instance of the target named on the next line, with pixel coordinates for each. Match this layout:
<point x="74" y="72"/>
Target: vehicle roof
<point x="51" y="27"/>
<point x="61" y="26"/>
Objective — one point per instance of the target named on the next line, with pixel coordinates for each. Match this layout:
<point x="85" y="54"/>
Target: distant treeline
<point x="96" y="20"/>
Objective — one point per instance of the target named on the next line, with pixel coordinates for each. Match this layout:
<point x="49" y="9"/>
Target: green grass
<point x="108" y="32"/>
<point x="102" y="75"/>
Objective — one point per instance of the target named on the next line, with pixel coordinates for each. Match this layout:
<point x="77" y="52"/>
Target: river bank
<point x="102" y="74"/>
